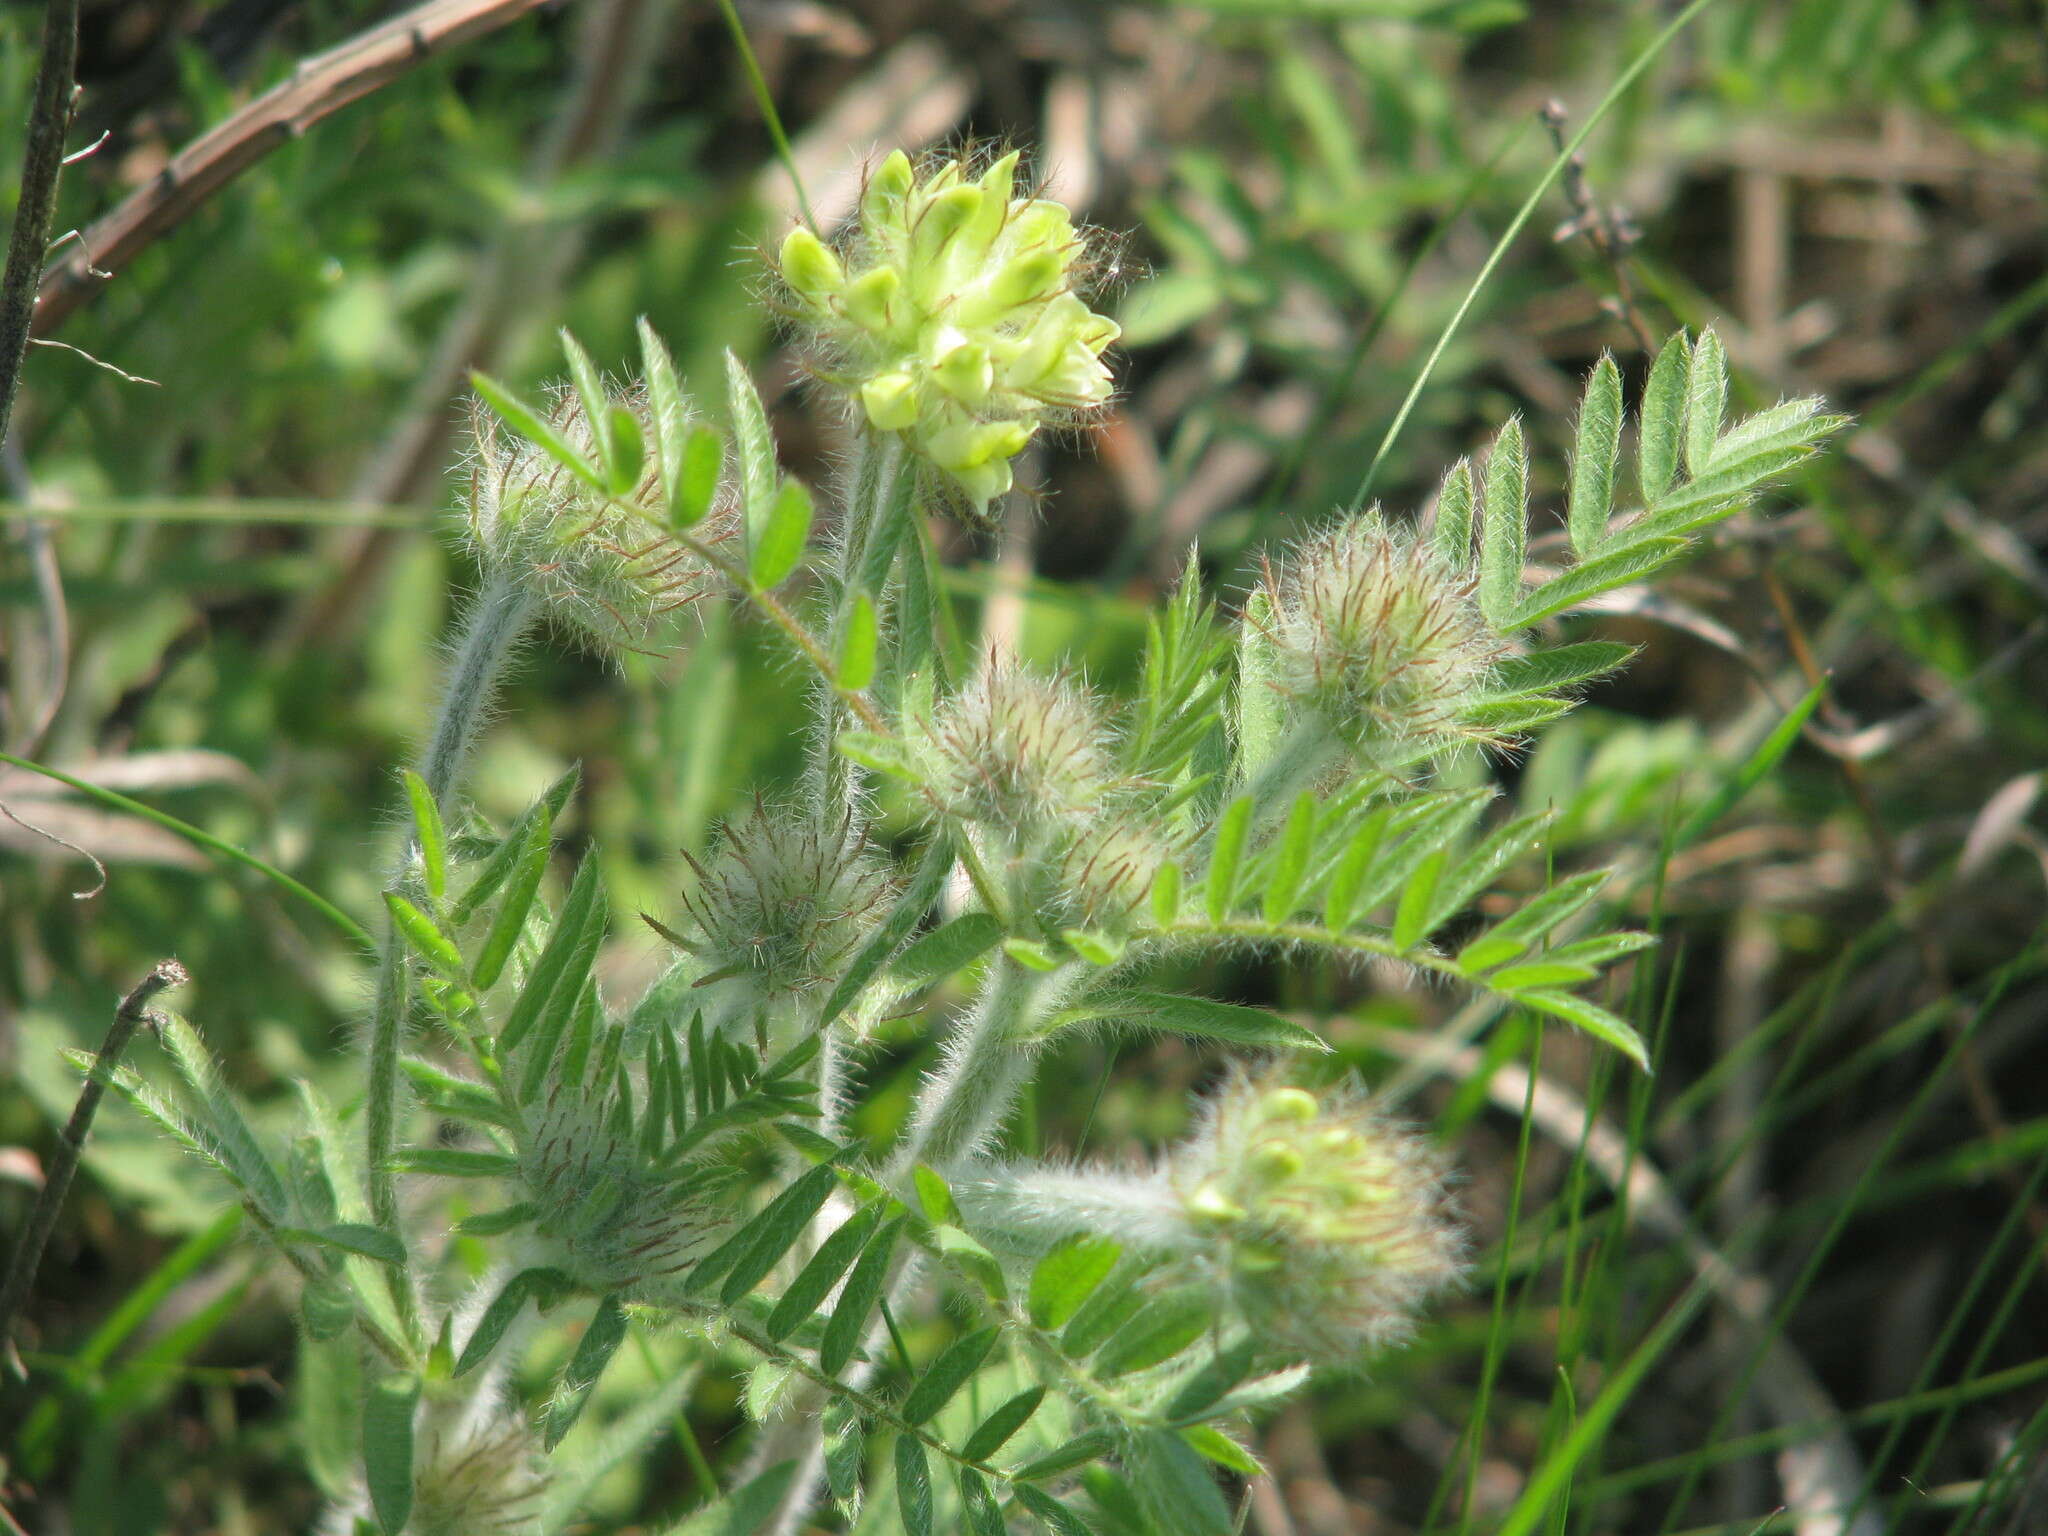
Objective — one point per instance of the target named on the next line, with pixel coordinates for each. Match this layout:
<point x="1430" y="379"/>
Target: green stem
<point x="987" y="1061"/>
<point x="489" y="634"/>
<point x="491" y="631"/>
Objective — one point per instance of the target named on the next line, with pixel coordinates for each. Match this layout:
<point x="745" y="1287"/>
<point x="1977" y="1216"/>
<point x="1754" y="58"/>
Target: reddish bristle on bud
<point x="786" y="899"/>
<point x="1372" y="633"/>
<point x="1017" y="751"/>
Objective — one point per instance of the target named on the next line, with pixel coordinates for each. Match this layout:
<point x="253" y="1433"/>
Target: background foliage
<point x="1799" y="1264"/>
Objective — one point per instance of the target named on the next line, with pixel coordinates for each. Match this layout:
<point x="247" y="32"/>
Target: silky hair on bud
<point x="605" y="567"/>
<point x="1015" y="750"/>
<point x="1373" y="634"/>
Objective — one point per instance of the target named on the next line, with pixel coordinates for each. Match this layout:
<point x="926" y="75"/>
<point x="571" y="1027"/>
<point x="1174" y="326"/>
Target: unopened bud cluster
<point x="1327" y="1228"/>
<point x="489" y="1481"/>
<point x="784" y="901"/>
<point x="1014" y="750"/>
<point x="1027" y="761"/>
<point x="951" y="315"/>
<point x="1377" y="637"/>
<point x="609" y="1215"/>
<point x="604" y="565"/>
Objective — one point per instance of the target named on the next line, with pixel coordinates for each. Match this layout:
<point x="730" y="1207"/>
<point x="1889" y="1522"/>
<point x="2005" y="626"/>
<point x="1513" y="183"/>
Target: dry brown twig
<point x="317" y="88"/>
<point x="35" y="1234"/>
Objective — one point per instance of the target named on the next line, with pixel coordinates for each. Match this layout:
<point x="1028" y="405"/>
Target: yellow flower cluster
<point x="951" y="316"/>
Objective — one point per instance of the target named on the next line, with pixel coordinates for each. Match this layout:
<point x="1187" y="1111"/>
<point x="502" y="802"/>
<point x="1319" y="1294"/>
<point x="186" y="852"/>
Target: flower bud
<point x="489" y="1481"/>
<point x="1015" y="750"/>
<point x="609" y="1215"/>
<point x="1375" y="636"/>
<point x="784" y="901"/>
<point x="809" y="267"/>
<point x="967" y="288"/>
<point x="606" y="566"/>
<point x="890" y="399"/>
<point x="1341" y="1227"/>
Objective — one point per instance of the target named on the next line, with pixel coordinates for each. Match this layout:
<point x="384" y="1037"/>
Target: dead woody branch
<point x="317" y="88"/>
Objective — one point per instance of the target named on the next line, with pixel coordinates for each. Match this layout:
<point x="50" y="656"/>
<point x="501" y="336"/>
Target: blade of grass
<point x="1615" y="92"/>
<point x="347" y="925"/>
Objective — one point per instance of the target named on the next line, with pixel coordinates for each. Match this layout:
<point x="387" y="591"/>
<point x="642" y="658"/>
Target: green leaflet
<point x="946" y="1375"/>
<point x="388" y="1450"/>
<point x="857" y="1300"/>
<point x="994" y="1432"/>
<point x="1067" y="1276"/>
<point x="601" y="1339"/>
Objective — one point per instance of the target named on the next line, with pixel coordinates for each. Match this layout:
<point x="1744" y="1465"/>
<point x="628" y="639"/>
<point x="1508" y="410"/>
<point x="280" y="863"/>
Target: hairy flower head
<point x="610" y="1214"/>
<point x="1374" y="634"/>
<point x="605" y="566"/>
<point x="1105" y="872"/>
<point x="1014" y="749"/>
<point x="785" y="899"/>
<point x="953" y="314"/>
<point x="491" y="1481"/>
<point x="1328" y="1228"/>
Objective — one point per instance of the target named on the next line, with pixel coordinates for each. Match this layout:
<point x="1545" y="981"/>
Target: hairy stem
<point x="489" y="634"/>
<point x="491" y="631"/>
<point x="28" y="1248"/>
<point x="987" y="1062"/>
